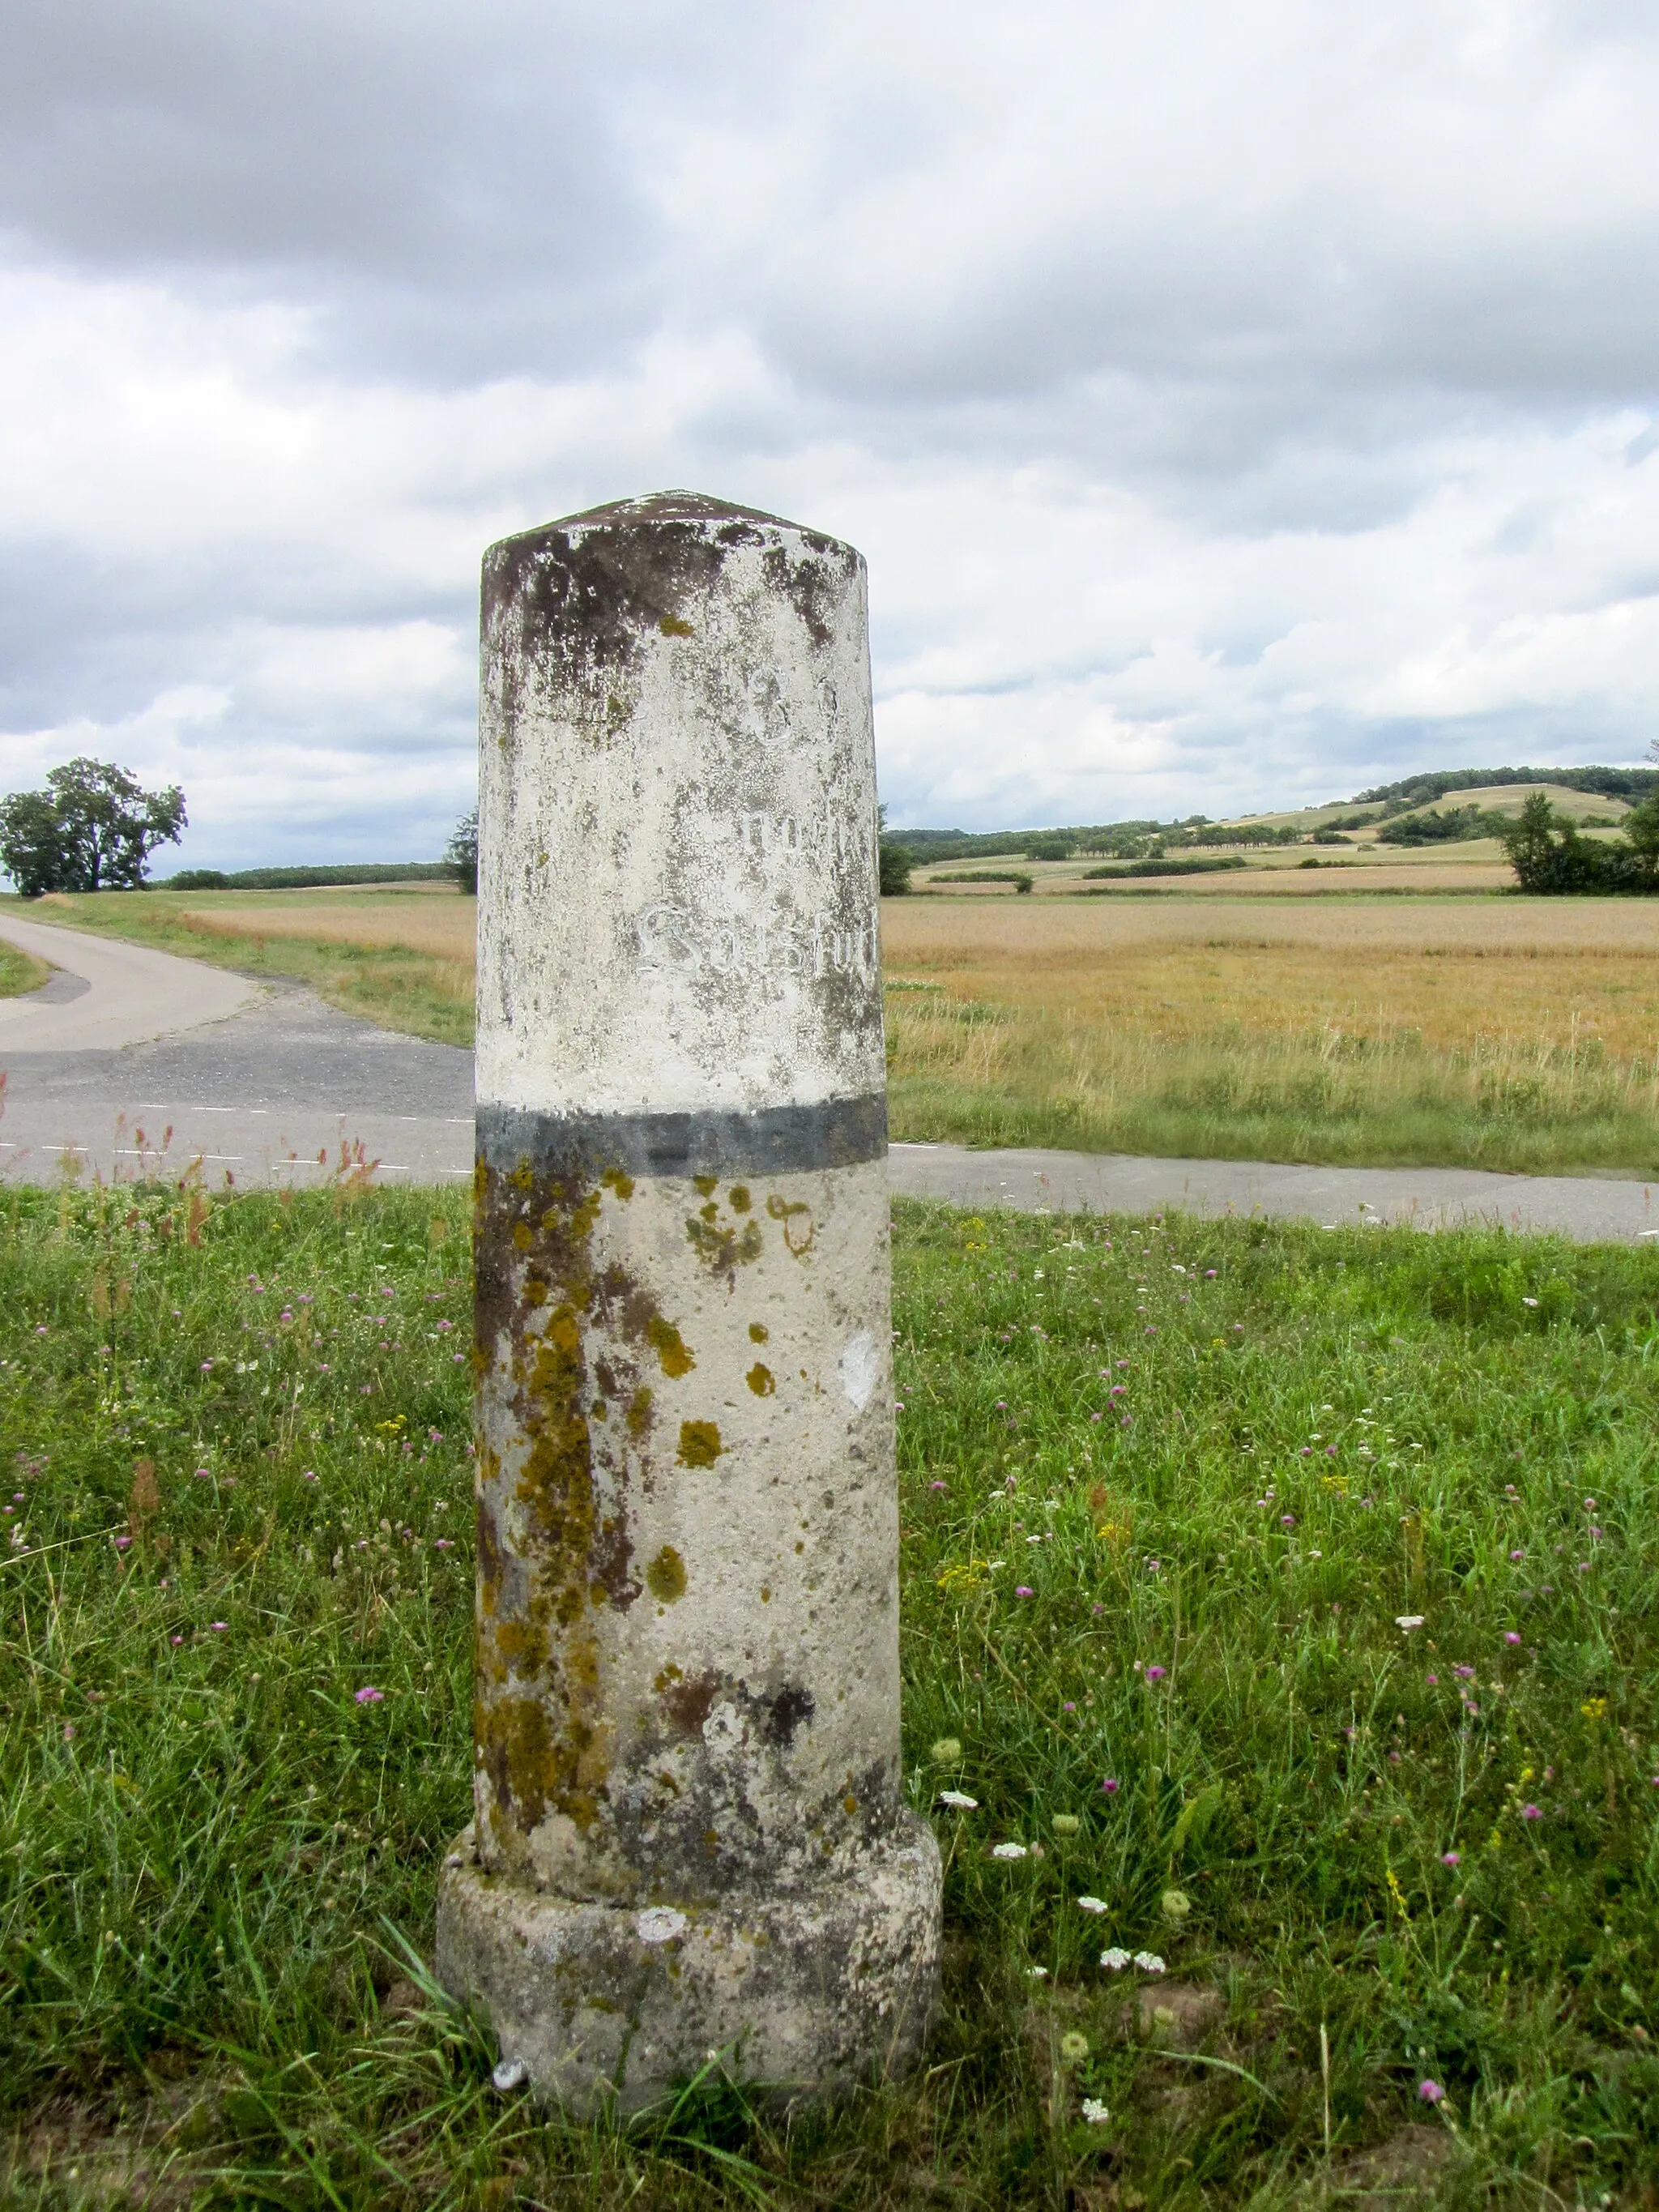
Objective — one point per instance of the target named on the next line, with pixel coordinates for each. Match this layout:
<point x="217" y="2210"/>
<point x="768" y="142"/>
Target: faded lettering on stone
<point x="671" y="939"/>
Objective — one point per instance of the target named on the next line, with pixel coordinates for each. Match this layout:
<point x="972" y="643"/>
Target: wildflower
<point x="1532" y="1812"/>
<point x="1068" y="1707"/>
<point x="936" y="1485"/>
<point x="207" y="1364"/>
<point x="1110" y="1786"/>
<point x="368" y="1695"/>
<point x="1066" y="1824"/>
<point x="1177" y="1905"/>
<point x="1093" y="2111"/>
<point x="1517" y="1555"/>
<point x="1156" y="1674"/>
<point x="1073" y="2048"/>
<point x="1511" y="1636"/>
<point x="121" y="1542"/>
<point x="1430" y="2092"/>
<point x="1038" y="1973"/>
<point x="1007" y="1851"/>
<point x="1451" y="1858"/>
<point x="218" y="1626"/>
<point x="1528" y="1302"/>
<point x="1114" y="1960"/>
<point x="1150" y="1963"/>
<point x="1024" y="1590"/>
<point x="1287" y="1520"/>
<point x="1408" y="1621"/>
<point x="309" y="1475"/>
<point x="1464" y="1673"/>
<point x="1433" y="1681"/>
<point x="960" y="1799"/>
<point x="946" y="1752"/>
<point x="1594" y="1709"/>
<point x="176" y="1640"/>
<point x="444" y="1544"/>
<point x="1098" y="1904"/>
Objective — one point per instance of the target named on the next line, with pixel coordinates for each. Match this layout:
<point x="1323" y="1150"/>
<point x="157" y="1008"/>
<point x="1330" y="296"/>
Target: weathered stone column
<point x="689" y="1833"/>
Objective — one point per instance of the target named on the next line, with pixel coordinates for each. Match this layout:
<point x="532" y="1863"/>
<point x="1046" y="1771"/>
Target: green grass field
<point x="1172" y="1497"/>
<point x="19" y="971"/>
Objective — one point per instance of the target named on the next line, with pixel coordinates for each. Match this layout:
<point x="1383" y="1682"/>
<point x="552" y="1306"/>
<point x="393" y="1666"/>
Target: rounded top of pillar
<point x="722" y="519"/>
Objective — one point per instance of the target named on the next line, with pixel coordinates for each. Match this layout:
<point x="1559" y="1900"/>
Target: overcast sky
<point x="1236" y="404"/>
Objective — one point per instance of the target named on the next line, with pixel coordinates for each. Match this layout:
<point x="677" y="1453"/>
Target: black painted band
<point x="840" y="1132"/>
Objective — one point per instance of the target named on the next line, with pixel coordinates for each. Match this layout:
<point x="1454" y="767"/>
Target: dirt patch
<point x="1178" y="2013"/>
<point x="1407" y="2164"/>
<point x="98" y="2156"/>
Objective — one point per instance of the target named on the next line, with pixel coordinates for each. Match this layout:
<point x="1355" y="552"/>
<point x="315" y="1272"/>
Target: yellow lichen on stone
<point x="665" y="1576"/>
<point x="700" y="1443"/>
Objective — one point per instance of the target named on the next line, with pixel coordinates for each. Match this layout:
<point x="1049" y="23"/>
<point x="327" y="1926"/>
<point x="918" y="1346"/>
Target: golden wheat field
<point x="1504" y="1032"/>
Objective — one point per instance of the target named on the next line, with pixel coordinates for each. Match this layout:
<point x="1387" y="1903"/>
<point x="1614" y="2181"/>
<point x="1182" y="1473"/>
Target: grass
<point x="19" y="971"/>
<point x="1231" y="1451"/>
<point x="1515" y="1033"/>
<point x="403" y="958"/>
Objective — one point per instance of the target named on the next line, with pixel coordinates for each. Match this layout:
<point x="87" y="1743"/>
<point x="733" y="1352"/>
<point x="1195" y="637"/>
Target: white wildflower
<point x="1094" y="2112"/>
<point x="1408" y="1621"/>
<point x="1007" y="1851"/>
<point x="960" y="1799"/>
<point x="1149" y="1962"/>
<point x="1091" y="1904"/>
<point x="1038" y="1973"/>
<point x="1114" y="1960"/>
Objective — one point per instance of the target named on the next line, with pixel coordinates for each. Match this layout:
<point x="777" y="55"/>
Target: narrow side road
<point x="132" y="994"/>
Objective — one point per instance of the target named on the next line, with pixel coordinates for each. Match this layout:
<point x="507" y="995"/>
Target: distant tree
<point x="91" y="829"/>
<point x="1549" y="855"/>
<point x="462" y="851"/>
<point x="1641" y="829"/>
<point x="896" y="861"/>
<point x="31" y="845"/>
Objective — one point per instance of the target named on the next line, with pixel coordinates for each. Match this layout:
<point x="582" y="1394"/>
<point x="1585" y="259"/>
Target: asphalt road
<point x="131" y="1061"/>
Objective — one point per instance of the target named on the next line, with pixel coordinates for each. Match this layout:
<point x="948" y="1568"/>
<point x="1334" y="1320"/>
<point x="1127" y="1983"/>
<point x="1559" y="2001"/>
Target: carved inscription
<point x="672" y="939"/>
<point x="790" y="836"/>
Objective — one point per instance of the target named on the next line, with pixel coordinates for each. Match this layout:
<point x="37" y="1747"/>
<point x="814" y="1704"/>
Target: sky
<point x="1237" y="405"/>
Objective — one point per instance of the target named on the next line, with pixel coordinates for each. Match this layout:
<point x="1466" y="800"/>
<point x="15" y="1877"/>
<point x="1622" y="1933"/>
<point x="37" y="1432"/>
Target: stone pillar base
<point x="805" y="1991"/>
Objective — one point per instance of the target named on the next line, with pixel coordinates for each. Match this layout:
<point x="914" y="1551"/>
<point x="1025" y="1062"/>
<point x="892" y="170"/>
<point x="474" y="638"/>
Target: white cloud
<point x="1232" y="405"/>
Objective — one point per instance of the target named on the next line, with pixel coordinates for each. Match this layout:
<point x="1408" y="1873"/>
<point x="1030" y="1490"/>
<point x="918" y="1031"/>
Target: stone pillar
<point x="689" y="1830"/>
